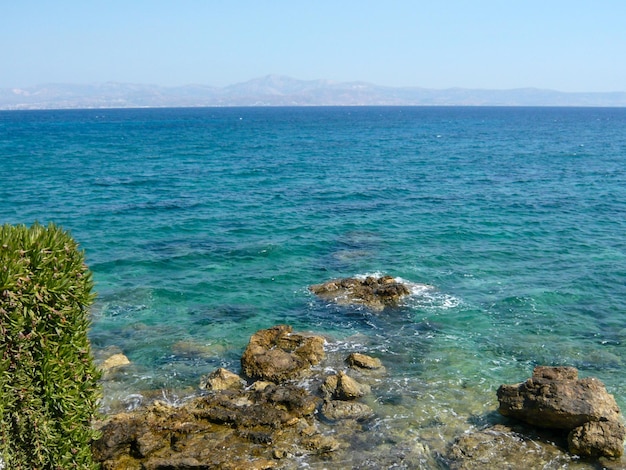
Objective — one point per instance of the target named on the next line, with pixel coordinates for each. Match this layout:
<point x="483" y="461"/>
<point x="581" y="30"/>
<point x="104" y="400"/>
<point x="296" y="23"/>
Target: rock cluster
<point x="375" y="293"/>
<point x="554" y="397"/>
<point x="240" y="425"/>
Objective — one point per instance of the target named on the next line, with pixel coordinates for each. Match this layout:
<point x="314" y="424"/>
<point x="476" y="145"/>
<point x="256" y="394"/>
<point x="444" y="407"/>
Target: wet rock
<point x="115" y="361"/>
<point x="375" y="293"/>
<point x="499" y="447"/>
<point x="362" y="361"/>
<point x="226" y="429"/>
<point x="278" y="355"/>
<point x="334" y="410"/>
<point x="221" y="379"/>
<point x="343" y="387"/>
<point x="597" y="439"/>
<point x="554" y="397"/>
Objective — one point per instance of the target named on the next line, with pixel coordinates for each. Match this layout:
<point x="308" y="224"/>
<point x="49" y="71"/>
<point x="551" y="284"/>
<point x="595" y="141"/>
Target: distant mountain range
<point x="274" y="90"/>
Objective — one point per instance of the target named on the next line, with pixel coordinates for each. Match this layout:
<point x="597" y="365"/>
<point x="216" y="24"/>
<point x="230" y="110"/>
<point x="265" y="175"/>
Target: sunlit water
<point x="202" y="226"/>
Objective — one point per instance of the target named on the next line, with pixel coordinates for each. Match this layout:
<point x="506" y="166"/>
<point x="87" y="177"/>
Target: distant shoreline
<point x="280" y="91"/>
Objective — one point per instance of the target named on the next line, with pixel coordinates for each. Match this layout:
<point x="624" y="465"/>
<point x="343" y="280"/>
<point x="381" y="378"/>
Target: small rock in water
<point x="363" y="361"/>
<point x="375" y="293"/>
<point x="343" y="387"/>
<point x="278" y="355"/>
<point x="116" y="360"/>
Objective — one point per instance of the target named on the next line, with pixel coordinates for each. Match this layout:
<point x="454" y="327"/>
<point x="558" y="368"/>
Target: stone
<point x="556" y="398"/>
<point x="375" y="293"/>
<point x="500" y="447"/>
<point x="343" y="387"/>
<point x="363" y="361"/>
<point x="334" y="410"/>
<point x="597" y="439"/>
<point x="115" y="361"/>
<point x="278" y="355"/>
<point x="226" y="429"/>
<point x="221" y="379"/>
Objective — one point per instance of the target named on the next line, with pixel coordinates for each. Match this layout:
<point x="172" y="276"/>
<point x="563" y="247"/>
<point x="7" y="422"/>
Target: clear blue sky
<point x="567" y="45"/>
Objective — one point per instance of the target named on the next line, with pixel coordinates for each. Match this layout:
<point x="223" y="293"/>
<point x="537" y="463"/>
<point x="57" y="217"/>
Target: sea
<point x="203" y="225"/>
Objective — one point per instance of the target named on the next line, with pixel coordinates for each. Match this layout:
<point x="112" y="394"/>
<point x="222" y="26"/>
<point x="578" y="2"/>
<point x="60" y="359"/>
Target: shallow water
<point x="204" y="225"/>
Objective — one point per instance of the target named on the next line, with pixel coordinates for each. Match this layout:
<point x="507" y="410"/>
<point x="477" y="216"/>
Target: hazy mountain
<point x="274" y="90"/>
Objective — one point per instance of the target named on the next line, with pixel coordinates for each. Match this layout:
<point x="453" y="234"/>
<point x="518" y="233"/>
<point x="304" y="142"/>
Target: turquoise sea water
<point x="204" y="225"/>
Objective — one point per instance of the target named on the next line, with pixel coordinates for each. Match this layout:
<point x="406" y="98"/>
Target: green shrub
<point x="50" y="388"/>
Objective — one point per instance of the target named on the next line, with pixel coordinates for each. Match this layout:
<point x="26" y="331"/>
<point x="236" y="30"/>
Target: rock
<point x="334" y="410"/>
<point x="362" y="361"/>
<point x="499" y="447"/>
<point x="375" y="293"/>
<point x="343" y="387"/>
<point x="554" y="397"/>
<point x="278" y="355"/>
<point x="221" y="379"/>
<point x="597" y="439"/>
<point x="225" y="429"/>
<point x="115" y="361"/>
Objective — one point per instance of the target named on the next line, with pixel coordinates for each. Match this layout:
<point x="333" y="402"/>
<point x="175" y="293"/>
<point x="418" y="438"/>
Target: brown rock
<point x="375" y="293"/>
<point x="363" y="361"/>
<point x="597" y="439"/>
<point x="555" y="398"/>
<point x="115" y="361"/>
<point x="233" y="429"/>
<point x="343" y="387"/>
<point x="334" y="410"/>
<point x="277" y="354"/>
<point x="221" y="379"/>
<point x="499" y="447"/>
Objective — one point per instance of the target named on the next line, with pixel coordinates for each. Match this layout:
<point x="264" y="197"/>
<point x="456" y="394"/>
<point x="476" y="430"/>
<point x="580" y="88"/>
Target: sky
<point x="565" y="45"/>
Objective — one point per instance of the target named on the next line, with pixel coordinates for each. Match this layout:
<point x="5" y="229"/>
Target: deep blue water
<point x="204" y="225"/>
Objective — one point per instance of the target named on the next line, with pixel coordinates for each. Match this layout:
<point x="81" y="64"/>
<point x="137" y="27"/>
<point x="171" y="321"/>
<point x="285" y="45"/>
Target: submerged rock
<point x="334" y="410"/>
<point x="375" y="293"/>
<point x="499" y="447"/>
<point x="554" y="397"/>
<point x="278" y="355"/>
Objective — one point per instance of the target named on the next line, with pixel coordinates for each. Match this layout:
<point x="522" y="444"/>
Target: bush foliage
<point x="50" y="388"/>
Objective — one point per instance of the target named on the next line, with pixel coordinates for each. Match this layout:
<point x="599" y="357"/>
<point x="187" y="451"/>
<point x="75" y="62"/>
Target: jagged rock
<point x="343" y="387"/>
<point x="221" y="379"/>
<point x="226" y="429"/>
<point x="597" y="439"/>
<point x="375" y="293"/>
<point x="499" y="447"/>
<point x="115" y="361"/>
<point x="277" y="354"/>
<point x="334" y="410"/>
<point x="362" y="361"/>
<point x="554" y="397"/>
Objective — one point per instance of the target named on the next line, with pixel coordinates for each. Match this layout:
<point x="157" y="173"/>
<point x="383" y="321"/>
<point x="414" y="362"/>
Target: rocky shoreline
<point x="290" y="408"/>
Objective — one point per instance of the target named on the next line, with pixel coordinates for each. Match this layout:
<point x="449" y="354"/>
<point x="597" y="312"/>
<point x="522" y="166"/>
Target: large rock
<point x="278" y="355"/>
<point x="375" y="293"/>
<point x="554" y="397"/>
<point x="227" y="429"/>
